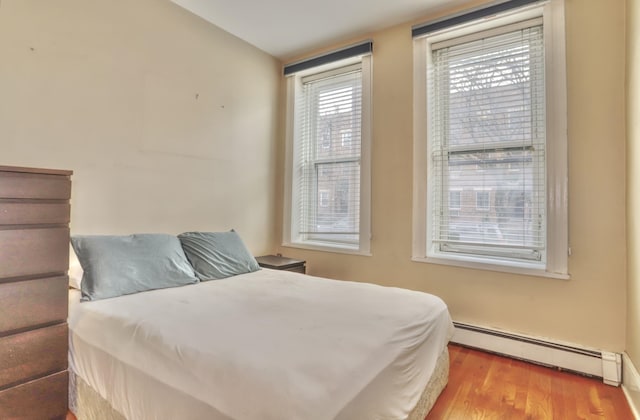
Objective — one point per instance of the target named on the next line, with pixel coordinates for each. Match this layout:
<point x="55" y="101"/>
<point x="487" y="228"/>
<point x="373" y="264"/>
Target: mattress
<point x="264" y="345"/>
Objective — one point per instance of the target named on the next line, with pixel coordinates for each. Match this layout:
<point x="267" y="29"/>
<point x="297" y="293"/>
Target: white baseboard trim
<point x="631" y="385"/>
<point x="591" y="362"/>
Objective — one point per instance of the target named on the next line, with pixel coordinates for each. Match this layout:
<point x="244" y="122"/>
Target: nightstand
<point x="277" y="262"/>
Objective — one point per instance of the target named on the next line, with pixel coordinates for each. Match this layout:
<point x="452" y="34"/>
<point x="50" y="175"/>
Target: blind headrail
<point x="352" y="51"/>
<point x="468" y="16"/>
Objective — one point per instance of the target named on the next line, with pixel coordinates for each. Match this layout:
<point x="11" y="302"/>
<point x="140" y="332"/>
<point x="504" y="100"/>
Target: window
<point x="346" y="138"/>
<point x="490" y="121"/>
<point x="326" y="136"/>
<point x="482" y="200"/>
<point x="454" y="200"/>
<point x="323" y="198"/>
<point x="327" y="180"/>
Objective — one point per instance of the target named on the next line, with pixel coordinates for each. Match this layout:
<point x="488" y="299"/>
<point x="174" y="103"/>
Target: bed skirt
<point x="87" y="404"/>
<point x="436" y="384"/>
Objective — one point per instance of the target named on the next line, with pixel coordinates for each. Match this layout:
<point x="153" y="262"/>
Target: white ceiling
<point x="286" y="28"/>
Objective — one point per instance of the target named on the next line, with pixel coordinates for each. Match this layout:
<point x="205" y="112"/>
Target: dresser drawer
<point x="33" y="213"/>
<point x="34" y="251"/>
<point x="31" y="303"/>
<point x="34" y="186"/>
<point x="33" y="354"/>
<point x="45" y="398"/>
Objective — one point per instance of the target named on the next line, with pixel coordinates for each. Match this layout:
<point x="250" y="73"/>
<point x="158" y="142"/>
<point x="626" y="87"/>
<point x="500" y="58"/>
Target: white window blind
<point x="487" y="144"/>
<point x="329" y="112"/>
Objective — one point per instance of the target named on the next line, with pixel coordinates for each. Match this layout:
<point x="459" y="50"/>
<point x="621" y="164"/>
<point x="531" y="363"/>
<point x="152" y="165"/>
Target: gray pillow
<point x="120" y="265"/>
<point x="217" y="255"/>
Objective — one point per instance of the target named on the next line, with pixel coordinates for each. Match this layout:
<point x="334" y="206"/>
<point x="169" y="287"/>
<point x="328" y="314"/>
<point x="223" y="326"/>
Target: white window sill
<point x="319" y="246"/>
<point x="508" y="267"/>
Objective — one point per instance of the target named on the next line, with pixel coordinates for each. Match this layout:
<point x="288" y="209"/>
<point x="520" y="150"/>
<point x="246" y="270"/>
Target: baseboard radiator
<point x="594" y="363"/>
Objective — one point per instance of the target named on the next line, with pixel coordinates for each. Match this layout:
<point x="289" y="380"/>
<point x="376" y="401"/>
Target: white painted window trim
<point x="293" y="87"/>
<point x="557" y="159"/>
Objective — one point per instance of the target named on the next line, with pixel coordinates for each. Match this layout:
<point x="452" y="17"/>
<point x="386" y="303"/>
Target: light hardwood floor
<point x="487" y="386"/>
<point x="484" y="386"/>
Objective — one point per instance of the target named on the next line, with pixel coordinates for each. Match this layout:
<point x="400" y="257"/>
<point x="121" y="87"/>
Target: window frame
<point x="291" y="237"/>
<point x="557" y="235"/>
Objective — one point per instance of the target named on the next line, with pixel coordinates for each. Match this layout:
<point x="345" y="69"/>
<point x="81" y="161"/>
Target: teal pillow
<point x="121" y="265"/>
<point x="217" y="255"/>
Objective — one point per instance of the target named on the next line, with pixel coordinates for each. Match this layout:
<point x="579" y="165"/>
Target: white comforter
<point x="265" y="345"/>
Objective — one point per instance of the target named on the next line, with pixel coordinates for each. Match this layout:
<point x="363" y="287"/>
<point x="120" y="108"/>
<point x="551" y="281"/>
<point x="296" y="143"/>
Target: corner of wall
<point x="631" y="384"/>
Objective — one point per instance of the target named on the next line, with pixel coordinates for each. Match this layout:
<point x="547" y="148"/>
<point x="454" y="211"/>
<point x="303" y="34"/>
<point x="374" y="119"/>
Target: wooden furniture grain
<point x="278" y="262"/>
<point x="34" y="259"/>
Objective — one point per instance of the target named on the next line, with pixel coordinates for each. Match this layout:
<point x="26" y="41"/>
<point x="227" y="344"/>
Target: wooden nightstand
<point x="277" y="262"/>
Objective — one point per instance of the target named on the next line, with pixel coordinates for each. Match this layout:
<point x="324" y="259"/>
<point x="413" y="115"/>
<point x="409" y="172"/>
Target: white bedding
<point x="265" y="345"/>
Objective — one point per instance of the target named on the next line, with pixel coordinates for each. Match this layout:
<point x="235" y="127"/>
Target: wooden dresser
<point x="34" y="258"/>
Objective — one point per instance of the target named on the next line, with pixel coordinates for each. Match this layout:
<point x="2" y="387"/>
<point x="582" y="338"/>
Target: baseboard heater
<point x="589" y="362"/>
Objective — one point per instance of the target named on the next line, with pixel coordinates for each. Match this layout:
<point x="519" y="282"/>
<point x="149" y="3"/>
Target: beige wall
<point x="587" y="310"/>
<point x="170" y="125"/>
<point x="168" y="122"/>
<point x="633" y="181"/>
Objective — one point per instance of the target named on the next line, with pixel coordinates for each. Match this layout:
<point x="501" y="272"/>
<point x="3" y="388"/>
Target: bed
<point x="263" y="344"/>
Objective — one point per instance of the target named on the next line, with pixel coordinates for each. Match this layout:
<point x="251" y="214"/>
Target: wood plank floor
<point x="487" y="386"/>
